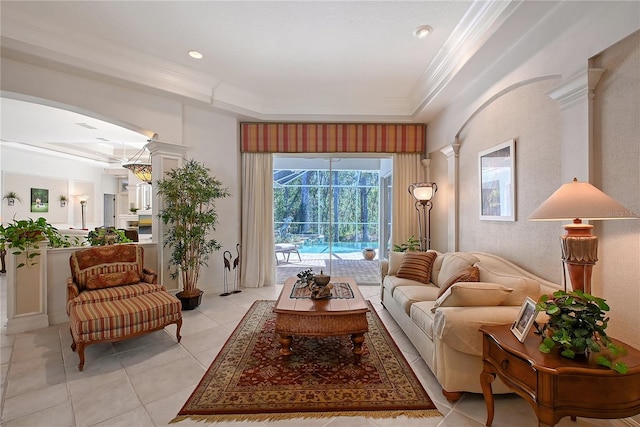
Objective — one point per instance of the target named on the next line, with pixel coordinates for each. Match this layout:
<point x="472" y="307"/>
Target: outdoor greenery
<point x="577" y="324"/>
<point x="305" y="202"/>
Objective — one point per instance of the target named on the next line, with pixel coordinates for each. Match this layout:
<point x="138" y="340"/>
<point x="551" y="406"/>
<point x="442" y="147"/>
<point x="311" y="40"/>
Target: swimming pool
<point x="337" y="247"/>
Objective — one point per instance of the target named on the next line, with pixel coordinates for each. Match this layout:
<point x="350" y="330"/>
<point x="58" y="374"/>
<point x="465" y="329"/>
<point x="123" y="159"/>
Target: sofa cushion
<point x="422" y="316"/>
<point x="109" y="280"/>
<point x="405" y="296"/>
<point x="395" y="259"/>
<point x="116" y="293"/>
<point x="469" y="274"/>
<point x="522" y="286"/>
<point x="452" y="264"/>
<point x="473" y="294"/>
<point x="417" y="266"/>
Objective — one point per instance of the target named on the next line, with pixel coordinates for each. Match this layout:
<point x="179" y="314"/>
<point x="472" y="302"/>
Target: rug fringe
<point x="428" y="413"/>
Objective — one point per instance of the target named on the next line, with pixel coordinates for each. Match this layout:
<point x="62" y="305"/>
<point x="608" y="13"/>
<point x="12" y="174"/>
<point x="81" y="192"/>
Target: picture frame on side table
<point x="497" y="178"/>
<point x="524" y="320"/>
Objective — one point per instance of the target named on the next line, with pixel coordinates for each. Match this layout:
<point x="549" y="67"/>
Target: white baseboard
<point x="58" y="318"/>
<point x="28" y="323"/>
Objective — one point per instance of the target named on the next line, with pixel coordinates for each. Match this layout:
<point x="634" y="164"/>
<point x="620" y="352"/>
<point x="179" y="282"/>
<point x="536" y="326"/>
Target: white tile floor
<point x="145" y="381"/>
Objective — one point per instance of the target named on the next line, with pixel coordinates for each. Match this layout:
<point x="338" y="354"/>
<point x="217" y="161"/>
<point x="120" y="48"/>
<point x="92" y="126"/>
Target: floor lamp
<point x="83" y="206"/>
<point x="579" y="201"/>
<point x="423" y="192"/>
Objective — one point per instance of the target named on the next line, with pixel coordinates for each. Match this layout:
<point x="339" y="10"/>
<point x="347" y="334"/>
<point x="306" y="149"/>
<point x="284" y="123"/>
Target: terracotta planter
<point x="369" y="254"/>
<point x="190" y="302"/>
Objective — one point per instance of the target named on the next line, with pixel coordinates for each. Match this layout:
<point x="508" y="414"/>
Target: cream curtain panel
<point x="404" y="221"/>
<point x="257" y="267"/>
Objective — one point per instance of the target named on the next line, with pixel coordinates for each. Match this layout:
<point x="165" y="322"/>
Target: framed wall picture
<point x="39" y="200"/>
<point x="497" y="177"/>
<point x="123" y="185"/>
<point x="526" y="317"/>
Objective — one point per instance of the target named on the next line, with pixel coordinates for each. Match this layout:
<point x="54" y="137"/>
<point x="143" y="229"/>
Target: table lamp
<point x="579" y="201"/>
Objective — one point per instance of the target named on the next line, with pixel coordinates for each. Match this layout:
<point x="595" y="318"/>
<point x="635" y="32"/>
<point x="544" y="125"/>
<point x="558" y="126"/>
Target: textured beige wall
<point x="528" y="115"/>
<point x="616" y="166"/>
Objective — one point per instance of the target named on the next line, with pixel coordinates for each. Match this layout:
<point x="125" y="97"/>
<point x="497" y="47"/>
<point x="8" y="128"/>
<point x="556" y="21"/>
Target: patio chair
<point x="286" y="249"/>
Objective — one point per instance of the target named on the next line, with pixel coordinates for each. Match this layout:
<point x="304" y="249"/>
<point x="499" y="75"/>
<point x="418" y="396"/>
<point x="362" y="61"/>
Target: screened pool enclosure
<point x="329" y="210"/>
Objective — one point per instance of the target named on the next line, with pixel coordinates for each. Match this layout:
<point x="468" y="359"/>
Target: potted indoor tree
<point x="189" y="194"/>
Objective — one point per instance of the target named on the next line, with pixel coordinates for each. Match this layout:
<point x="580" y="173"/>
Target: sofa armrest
<point x="72" y="289"/>
<point x="458" y="327"/>
<point x="149" y="276"/>
<point x="384" y="268"/>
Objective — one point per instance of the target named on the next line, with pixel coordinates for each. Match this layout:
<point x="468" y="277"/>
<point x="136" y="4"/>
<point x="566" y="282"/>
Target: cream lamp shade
<point x="580" y="200"/>
<point x="423" y="191"/>
<point x="577" y="201"/>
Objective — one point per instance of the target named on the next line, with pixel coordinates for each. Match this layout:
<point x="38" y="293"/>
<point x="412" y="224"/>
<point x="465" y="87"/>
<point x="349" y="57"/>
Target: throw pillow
<point x="395" y="259"/>
<point x="109" y="280"/>
<point x="417" y="266"/>
<point x="469" y="274"/>
<point x="473" y="295"/>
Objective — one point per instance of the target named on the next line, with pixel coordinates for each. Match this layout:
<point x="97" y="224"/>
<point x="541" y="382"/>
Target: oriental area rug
<point x="250" y="381"/>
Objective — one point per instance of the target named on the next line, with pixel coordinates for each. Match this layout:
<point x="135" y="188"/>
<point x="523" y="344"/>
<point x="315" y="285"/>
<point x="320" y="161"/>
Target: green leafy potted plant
<point x="577" y="323"/>
<point x="305" y="277"/>
<point x="11" y="197"/>
<point x="189" y="194"/>
<point x="63" y="200"/>
<point x="106" y="236"/>
<point x="24" y="236"/>
<point x="412" y="244"/>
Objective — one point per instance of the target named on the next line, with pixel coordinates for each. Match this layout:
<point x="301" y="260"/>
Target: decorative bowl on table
<point x="322" y="279"/>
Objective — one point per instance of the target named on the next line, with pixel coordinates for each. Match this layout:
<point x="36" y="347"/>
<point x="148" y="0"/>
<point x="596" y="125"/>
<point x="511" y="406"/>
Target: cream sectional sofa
<point x="445" y="330"/>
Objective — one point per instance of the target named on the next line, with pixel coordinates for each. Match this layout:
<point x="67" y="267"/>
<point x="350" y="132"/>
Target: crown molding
<point x="109" y="59"/>
<point x="114" y="61"/>
<point x="475" y="28"/>
<point x="577" y="87"/>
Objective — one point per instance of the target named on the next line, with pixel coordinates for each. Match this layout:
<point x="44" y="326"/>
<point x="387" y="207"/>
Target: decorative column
<point x="165" y="156"/>
<point x="575" y="98"/>
<point x="27" y="292"/>
<point x="452" y="152"/>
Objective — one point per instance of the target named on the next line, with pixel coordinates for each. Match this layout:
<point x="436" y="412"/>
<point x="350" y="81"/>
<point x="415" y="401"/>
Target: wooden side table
<point x="555" y="386"/>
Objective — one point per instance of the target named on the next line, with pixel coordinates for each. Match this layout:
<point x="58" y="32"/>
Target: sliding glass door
<point x="327" y="216"/>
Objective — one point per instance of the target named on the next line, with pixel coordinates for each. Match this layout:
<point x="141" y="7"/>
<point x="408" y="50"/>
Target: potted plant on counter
<point x="23" y="236"/>
<point x="189" y="194"/>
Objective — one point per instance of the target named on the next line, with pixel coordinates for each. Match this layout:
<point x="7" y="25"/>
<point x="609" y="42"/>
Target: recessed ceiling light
<point x="195" y="54"/>
<point x="422" y="31"/>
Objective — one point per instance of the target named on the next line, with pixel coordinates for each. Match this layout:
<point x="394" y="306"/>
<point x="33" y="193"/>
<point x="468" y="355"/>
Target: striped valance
<point x="331" y="138"/>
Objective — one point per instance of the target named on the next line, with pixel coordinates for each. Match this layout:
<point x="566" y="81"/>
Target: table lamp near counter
<point x="579" y="201"/>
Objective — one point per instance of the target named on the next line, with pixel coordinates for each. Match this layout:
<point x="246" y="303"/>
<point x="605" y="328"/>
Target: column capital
<point x="451" y="150"/>
<point x="576" y="87"/>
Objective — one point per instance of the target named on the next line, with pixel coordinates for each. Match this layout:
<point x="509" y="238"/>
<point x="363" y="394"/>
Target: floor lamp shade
<point x="577" y="201"/>
<point x="423" y="192"/>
